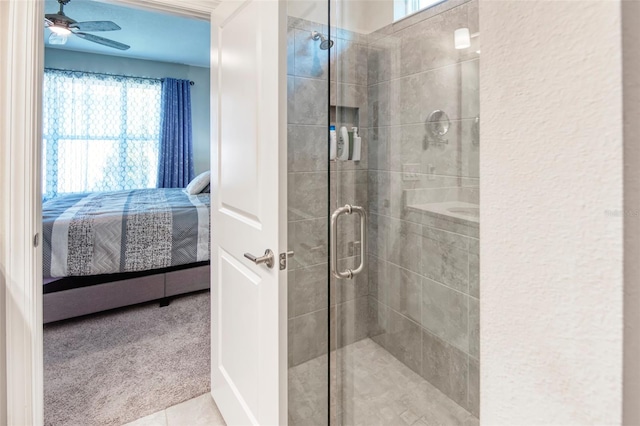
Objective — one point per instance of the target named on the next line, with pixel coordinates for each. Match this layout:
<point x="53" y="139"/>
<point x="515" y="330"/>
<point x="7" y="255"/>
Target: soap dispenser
<point x="357" y="145"/>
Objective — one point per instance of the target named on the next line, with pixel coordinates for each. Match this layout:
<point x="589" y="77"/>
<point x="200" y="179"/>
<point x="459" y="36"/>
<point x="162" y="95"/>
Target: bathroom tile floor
<point x="372" y="388"/>
<point x="194" y="412"/>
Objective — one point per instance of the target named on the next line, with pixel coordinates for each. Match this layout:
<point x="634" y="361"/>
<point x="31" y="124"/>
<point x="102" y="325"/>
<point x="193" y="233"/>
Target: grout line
<point x="319" y="126"/>
<point x="422" y="224"/>
<point x="335" y="305"/>
<point x="423" y="276"/>
<point x="412" y="123"/>
<point x="429" y="226"/>
<point x="434" y="174"/>
<point x="453" y="64"/>
<point x="425" y="174"/>
<point x="422" y="327"/>
<point x="308" y="220"/>
<point x="308" y="172"/>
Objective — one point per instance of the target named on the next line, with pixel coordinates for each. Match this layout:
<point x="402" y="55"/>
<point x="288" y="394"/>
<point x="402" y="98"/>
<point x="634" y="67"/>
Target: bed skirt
<point x="76" y="296"/>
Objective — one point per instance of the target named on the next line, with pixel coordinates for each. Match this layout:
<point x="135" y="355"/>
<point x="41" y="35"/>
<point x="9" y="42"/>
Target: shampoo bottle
<point x="333" y="145"/>
<point x="344" y="144"/>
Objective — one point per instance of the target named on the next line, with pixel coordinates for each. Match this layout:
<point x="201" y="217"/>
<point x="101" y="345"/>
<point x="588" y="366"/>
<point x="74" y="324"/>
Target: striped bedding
<point x="124" y="231"/>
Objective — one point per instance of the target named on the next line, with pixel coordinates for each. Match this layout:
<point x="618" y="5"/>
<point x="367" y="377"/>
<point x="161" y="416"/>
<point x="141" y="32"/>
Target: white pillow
<point x="198" y="183"/>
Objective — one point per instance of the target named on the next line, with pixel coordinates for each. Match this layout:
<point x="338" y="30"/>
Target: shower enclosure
<point x="383" y="290"/>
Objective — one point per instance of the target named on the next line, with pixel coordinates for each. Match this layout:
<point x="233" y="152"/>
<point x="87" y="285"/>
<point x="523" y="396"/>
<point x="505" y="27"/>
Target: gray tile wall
<point x="308" y="190"/>
<point x="311" y="306"/>
<point x="423" y="278"/>
<point x="308" y="196"/>
<point x="349" y="182"/>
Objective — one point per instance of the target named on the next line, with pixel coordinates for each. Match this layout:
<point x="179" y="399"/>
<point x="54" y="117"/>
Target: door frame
<point x="22" y="59"/>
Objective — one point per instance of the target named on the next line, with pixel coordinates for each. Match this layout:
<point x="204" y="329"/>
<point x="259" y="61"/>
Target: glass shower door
<point x="308" y="212"/>
<point x="383" y="136"/>
<point x="349" y="222"/>
<point x="404" y="329"/>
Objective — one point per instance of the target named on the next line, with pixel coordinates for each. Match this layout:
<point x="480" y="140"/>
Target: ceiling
<point x="151" y="35"/>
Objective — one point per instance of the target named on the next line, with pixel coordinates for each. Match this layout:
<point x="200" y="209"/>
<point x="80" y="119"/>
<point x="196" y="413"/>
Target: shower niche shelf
<point x="348" y="117"/>
<point x="344" y="116"/>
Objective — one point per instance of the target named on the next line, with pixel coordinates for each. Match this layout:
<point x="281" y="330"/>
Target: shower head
<point x="325" y="43"/>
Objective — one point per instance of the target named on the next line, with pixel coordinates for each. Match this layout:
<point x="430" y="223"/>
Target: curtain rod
<point x="191" y="83"/>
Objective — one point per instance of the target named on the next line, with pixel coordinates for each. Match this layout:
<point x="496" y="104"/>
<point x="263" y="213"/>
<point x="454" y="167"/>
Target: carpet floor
<point x="115" y="367"/>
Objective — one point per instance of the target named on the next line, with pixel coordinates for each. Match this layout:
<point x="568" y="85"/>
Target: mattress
<point x="124" y="231"/>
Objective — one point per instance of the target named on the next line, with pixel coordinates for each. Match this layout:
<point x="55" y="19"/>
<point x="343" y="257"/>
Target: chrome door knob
<point x="267" y="259"/>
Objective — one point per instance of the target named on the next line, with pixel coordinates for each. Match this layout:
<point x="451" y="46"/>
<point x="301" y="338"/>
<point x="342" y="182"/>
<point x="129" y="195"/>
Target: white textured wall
<point x="631" y="104"/>
<point x="377" y="14"/>
<point x="551" y="165"/>
<point x="4" y="13"/>
<point x="81" y="61"/>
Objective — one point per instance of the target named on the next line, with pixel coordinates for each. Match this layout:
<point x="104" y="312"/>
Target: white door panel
<point x="239" y="186"/>
<point x="238" y="321"/>
<point x="249" y="331"/>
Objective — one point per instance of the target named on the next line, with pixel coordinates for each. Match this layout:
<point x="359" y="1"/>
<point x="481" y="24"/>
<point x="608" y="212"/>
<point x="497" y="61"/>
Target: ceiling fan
<point x="61" y="26"/>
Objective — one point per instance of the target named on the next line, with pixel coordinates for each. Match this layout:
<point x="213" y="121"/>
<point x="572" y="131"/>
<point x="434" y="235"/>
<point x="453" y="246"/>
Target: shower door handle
<point x="348" y="209"/>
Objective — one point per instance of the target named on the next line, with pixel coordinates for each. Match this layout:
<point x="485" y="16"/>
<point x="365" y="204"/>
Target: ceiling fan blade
<point x="95" y="26"/>
<point x="104" y="41"/>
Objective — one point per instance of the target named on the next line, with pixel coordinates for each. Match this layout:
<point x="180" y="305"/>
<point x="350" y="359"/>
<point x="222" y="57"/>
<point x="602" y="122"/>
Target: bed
<point x="112" y="249"/>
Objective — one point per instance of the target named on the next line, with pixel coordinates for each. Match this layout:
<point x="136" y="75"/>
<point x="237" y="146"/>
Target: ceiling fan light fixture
<point x="55" y="38"/>
<point x="60" y="30"/>
<point x="62" y="26"/>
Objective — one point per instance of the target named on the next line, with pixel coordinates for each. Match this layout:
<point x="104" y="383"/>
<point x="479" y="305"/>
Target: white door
<point x="249" y="333"/>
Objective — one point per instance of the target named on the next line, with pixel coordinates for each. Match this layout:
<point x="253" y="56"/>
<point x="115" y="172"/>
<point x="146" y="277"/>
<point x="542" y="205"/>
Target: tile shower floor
<point x="373" y="388"/>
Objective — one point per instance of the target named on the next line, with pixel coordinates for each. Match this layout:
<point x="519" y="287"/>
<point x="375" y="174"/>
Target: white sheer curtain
<point x="100" y="132"/>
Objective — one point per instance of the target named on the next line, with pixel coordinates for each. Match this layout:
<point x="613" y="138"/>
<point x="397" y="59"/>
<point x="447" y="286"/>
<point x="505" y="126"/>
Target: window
<point x="100" y="132"/>
<point x="403" y="8"/>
